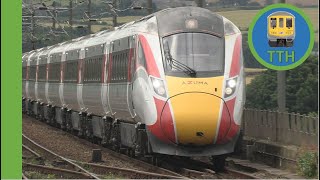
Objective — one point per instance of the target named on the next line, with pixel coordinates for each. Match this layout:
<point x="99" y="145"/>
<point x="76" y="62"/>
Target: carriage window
<point x="24" y="73"/>
<point x="92" y="70"/>
<point x="71" y="71"/>
<point x="42" y="71"/>
<point x="54" y="72"/>
<point x="273" y="22"/>
<point x="289" y="22"/>
<point x="119" y="67"/>
<point x="280" y="22"/>
<point x="32" y="74"/>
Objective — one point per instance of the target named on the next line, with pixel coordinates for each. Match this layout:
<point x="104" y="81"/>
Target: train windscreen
<point x="194" y="54"/>
<point x="281" y="22"/>
<point x="273" y="22"/>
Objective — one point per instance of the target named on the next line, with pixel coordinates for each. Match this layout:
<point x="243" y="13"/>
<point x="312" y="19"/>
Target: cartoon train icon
<point x="281" y="29"/>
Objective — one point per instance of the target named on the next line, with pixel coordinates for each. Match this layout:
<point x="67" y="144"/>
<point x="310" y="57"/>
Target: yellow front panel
<point x="195" y="112"/>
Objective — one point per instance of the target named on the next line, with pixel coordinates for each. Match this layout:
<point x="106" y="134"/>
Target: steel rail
<point x="97" y="168"/>
<point x="140" y="163"/>
<point x="61" y="157"/>
<point x="53" y="170"/>
<point x="31" y="151"/>
<point x="24" y="176"/>
<point x="201" y="171"/>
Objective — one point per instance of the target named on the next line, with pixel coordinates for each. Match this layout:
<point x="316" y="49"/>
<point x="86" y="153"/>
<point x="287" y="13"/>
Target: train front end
<point x="198" y="94"/>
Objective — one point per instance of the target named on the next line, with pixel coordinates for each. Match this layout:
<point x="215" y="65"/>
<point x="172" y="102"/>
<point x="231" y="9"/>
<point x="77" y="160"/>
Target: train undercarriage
<point x="281" y="43"/>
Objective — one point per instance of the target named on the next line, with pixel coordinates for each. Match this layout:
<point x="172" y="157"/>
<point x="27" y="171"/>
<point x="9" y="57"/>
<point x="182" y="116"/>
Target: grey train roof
<point x="281" y="13"/>
<point x="170" y="20"/>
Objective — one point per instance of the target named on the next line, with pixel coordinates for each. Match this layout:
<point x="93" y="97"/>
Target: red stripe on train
<point x="151" y="63"/>
<point x="235" y="65"/>
<point x="163" y="129"/>
<point x="228" y="129"/>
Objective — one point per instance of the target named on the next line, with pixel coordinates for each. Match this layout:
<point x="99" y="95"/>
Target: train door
<point x="80" y="79"/>
<point x="119" y="77"/>
<point x="105" y="87"/>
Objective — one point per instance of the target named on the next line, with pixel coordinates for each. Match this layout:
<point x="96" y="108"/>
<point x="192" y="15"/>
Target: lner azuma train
<point x="170" y="83"/>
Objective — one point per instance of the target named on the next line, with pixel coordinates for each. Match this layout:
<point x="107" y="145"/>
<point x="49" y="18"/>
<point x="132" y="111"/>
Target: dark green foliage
<point x="249" y="60"/>
<point x="307" y="164"/>
<point x="301" y="89"/>
<point x="261" y="92"/>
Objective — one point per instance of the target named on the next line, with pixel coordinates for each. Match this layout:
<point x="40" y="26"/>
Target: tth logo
<point x="281" y="37"/>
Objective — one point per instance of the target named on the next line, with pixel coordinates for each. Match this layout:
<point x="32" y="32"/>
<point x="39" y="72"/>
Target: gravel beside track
<point x="67" y="145"/>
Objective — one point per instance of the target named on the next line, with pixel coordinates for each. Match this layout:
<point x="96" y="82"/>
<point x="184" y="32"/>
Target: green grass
<point x="112" y="176"/>
<point x="254" y="70"/>
<point x="38" y="175"/>
<point x="251" y="73"/>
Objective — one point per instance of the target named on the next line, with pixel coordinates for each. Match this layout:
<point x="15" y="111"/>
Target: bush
<point x="301" y="89"/>
<point x="307" y="164"/>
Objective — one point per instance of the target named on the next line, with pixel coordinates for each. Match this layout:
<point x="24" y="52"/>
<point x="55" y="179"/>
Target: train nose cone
<point x="196" y="117"/>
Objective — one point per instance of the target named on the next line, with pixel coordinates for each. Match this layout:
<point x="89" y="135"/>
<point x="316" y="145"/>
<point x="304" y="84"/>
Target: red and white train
<point x="170" y="83"/>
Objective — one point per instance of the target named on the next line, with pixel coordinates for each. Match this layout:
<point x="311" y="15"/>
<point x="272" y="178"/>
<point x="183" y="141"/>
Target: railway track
<point x="62" y="173"/>
<point x="172" y="168"/>
<point x="137" y="162"/>
<point x="24" y="176"/>
<point x="196" y="169"/>
<point x="80" y="172"/>
<point x="239" y="174"/>
<point x="48" y="154"/>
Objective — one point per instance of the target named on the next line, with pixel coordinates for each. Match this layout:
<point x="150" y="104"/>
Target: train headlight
<point x="228" y="91"/>
<point x="232" y="83"/>
<point x="158" y="86"/>
<point x="231" y="86"/>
